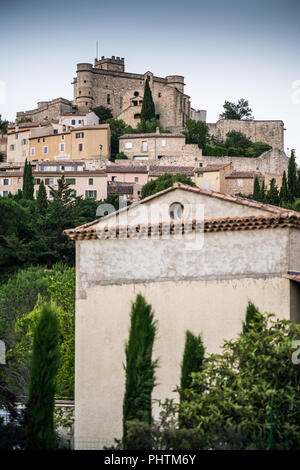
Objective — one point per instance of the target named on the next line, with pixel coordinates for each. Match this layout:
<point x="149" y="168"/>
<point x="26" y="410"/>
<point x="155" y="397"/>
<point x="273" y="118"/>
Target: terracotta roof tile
<point x="161" y="170"/>
<point x="244" y="174"/>
<point x="209" y="225"/>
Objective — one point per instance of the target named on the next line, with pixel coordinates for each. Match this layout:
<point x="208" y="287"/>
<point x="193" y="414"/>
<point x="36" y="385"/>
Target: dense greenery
<point x="246" y="397"/>
<point x="289" y="194"/>
<point x="239" y="110"/>
<point x="196" y="132"/>
<point x="121" y="156"/>
<point x="44" y="366"/>
<point x="139" y="367"/>
<point x="163" y="182"/>
<point x="237" y="390"/>
<point x="19" y="314"/>
<point x="236" y="143"/>
<point x="32" y="233"/>
<point x="103" y="113"/>
<point x="3" y="125"/>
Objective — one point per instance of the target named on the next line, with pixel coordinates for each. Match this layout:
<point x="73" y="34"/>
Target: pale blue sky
<point x="225" y="50"/>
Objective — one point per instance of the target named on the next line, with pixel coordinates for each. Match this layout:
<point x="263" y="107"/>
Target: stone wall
<point x="270" y="132"/>
<point x="47" y="110"/>
<point x="118" y="90"/>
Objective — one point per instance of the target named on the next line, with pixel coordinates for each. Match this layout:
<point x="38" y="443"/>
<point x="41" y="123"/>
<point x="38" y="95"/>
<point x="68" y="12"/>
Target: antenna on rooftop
<point x="97" y="50"/>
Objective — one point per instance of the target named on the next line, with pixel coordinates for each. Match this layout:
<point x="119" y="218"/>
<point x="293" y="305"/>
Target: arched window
<point x="176" y="211"/>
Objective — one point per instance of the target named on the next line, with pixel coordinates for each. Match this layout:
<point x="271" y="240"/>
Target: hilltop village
<point x="62" y="137"/>
<point x="127" y="197"/>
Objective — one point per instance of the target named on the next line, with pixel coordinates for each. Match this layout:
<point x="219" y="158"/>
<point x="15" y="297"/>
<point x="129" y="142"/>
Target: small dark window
<point x="108" y="99"/>
<point x="157" y="116"/>
<point x="159" y="95"/>
<point x="136" y="93"/>
<point x="137" y="116"/>
<point x="84" y="81"/>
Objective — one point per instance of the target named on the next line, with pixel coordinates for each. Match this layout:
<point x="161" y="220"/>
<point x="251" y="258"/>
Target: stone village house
<point x="197" y="261"/>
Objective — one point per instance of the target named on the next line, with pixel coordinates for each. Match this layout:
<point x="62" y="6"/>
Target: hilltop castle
<point x="107" y="84"/>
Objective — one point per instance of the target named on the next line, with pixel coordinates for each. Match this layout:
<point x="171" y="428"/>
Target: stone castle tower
<point x="107" y="84"/>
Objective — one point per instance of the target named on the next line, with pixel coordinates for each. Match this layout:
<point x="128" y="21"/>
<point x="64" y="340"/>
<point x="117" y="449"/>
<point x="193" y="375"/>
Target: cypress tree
<point x="256" y="190"/>
<point x="193" y="356"/>
<point x="262" y="192"/>
<point x="148" y="108"/>
<point x="139" y="367"/>
<point x="298" y="184"/>
<point x="28" y="186"/>
<point x="292" y="177"/>
<point x="44" y="366"/>
<point x="41" y="198"/>
<point x="192" y="361"/>
<point x="272" y="196"/>
<point x="253" y="316"/>
<point x="283" y="194"/>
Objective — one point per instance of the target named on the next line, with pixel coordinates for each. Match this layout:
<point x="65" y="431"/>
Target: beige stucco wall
<point x="173" y="146"/>
<point x="216" y="309"/>
<point x="195" y="205"/>
<point x="21" y="150"/>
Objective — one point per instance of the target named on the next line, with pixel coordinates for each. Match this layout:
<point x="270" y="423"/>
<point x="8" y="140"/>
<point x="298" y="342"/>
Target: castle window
<point x="79" y="135"/>
<point x="84" y="81"/>
<point x="45" y="150"/>
<point x="176" y="211"/>
<point x="55" y="131"/>
<point x="11" y="148"/>
<point x="137" y="116"/>
<point x="80" y="147"/>
<point x="32" y="151"/>
<point x="136" y="179"/>
<point x="62" y="137"/>
<point x="73" y="122"/>
<point x="108" y="99"/>
<point x="80" y="92"/>
<point x="144" y="146"/>
<point x="86" y="103"/>
<point x="91" y="181"/>
<point x="121" y="102"/>
<point x="148" y="78"/>
<point x="136" y="93"/>
<point x="157" y="116"/>
<point x="159" y="95"/>
<point x="135" y="103"/>
<point x="61" y="147"/>
<point x="71" y="180"/>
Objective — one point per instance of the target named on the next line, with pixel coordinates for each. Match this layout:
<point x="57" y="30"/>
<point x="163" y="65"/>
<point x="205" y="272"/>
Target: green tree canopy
<point x="103" y="113"/>
<point x="256" y="190"/>
<point x="272" y="196"/>
<point x="163" y="182"/>
<point x="239" y="110"/>
<point x="284" y="193"/>
<point x="41" y="199"/>
<point x="230" y="400"/>
<point x="196" y="132"/>
<point x="3" y="125"/>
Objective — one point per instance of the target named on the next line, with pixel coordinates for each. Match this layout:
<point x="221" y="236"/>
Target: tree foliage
<point x="235" y="391"/>
<point x="44" y="366"/>
<point x="292" y="177"/>
<point x="239" y="110"/>
<point x="103" y="113"/>
<point x="3" y="125"/>
<point x="163" y="182"/>
<point x="139" y="367"/>
<point x="28" y="187"/>
<point x="148" y="108"/>
<point x="196" y="132"/>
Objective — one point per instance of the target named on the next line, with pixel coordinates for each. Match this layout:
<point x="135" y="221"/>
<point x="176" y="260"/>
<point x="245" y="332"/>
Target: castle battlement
<point x="113" y="63"/>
